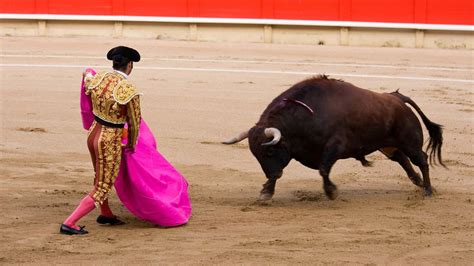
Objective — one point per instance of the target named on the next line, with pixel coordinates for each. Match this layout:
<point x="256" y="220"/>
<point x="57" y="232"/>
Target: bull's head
<point x="269" y="147"/>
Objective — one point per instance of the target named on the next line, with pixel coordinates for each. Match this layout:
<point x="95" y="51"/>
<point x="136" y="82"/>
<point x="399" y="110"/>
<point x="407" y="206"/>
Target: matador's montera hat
<point x="123" y="51"/>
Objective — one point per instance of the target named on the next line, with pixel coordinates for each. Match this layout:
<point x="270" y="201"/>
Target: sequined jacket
<point x="115" y="100"/>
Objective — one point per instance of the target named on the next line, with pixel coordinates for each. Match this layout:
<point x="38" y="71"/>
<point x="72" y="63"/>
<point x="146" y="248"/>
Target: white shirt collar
<point x="121" y="73"/>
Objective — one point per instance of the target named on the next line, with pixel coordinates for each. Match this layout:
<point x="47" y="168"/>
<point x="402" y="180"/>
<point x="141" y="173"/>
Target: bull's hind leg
<point x="398" y="156"/>
<point x="420" y="159"/>
<point x="364" y="161"/>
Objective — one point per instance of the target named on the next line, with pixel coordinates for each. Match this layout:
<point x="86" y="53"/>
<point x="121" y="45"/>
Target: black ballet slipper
<point x="109" y="220"/>
<point x="67" y="230"/>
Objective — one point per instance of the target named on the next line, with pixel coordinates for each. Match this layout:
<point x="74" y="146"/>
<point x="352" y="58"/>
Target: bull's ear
<point x="252" y="130"/>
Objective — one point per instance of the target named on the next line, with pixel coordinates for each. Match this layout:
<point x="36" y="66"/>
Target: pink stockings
<point x="105" y="209"/>
<point x="85" y="206"/>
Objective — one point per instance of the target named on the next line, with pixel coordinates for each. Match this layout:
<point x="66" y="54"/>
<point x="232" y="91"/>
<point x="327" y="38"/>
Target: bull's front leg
<point x="330" y="156"/>
<point x="329" y="188"/>
<point x="268" y="190"/>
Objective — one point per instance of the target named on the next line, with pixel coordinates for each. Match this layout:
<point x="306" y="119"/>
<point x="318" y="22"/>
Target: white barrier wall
<point x="243" y="30"/>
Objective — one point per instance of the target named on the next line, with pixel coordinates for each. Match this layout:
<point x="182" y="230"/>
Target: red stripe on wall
<point x="382" y="10"/>
<point x="175" y="8"/>
<point x="18" y="7"/>
<point x="307" y="9"/>
<point x="442" y="12"/>
<point x="404" y="11"/>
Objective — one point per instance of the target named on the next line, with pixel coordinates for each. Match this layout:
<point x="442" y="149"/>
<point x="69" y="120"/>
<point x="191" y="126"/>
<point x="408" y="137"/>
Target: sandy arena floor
<point x="198" y="94"/>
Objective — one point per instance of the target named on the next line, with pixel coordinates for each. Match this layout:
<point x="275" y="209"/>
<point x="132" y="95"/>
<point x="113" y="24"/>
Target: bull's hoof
<point x="331" y="192"/>
<point x="428" y="192"/>
<point x="416" y="180"/>
<point x="264" y="197"/>
<point x="364" y="161"/>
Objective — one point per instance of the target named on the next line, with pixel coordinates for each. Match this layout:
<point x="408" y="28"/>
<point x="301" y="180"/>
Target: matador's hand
<point x="87" y="73"/>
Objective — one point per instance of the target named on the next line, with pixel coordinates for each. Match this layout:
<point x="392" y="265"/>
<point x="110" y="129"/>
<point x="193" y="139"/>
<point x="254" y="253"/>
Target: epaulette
<point x="95" y="80"/>
<point x="124" y="91"/>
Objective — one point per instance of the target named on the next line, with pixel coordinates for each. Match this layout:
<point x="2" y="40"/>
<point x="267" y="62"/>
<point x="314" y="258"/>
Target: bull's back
<point x="343" y="102"/>
<point x="349" y="112"/>
<point x="337" y="105"/>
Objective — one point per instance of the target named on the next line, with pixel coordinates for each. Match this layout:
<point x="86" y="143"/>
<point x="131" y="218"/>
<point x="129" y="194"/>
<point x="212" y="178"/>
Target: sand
<point x="198" y="94"/>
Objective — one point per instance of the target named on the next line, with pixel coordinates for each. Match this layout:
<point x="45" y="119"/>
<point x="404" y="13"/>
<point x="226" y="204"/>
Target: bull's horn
<point x="240" y="137"/>
<point x="272" y="132"/>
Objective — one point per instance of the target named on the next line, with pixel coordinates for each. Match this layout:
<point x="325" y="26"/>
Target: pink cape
<point x="148" y="185"/>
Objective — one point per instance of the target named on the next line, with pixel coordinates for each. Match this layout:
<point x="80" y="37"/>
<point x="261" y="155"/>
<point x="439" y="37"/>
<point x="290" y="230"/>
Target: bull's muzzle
<point x="274" y="175"/>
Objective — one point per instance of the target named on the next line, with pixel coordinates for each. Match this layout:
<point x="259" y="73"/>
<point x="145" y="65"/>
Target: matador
<point x="115" y="102"/>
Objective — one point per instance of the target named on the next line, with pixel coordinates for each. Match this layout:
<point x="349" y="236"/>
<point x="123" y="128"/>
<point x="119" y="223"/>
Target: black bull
<point x="320" y="120"/>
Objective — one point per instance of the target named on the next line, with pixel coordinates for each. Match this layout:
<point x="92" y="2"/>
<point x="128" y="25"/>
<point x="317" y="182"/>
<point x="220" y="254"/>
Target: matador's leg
<point x="86" y="205"/>
<point x="109" y="152"/>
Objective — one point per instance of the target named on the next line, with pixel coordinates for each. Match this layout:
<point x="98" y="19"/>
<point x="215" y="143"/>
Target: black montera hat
<point x="123" y="51"/>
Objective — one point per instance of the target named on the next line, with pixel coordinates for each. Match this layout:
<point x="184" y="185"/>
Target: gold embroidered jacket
<point x="116" y="101"/>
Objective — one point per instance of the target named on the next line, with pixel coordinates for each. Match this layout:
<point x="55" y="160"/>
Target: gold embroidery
<point x="92" y="82"/>
<point x="134" y="118"/>
<point x="103" y="101"/>
<point x="124" y="92"/>
<point x="91" y="128"/>
<point x="114" y="100"/>
<point x="109" y="157"/>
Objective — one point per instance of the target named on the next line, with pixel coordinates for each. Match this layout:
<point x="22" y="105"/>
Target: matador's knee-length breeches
<point x="105" y="147"/>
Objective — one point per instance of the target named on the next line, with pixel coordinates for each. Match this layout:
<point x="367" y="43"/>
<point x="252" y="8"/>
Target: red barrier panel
<point x="404" y="11"/>
<point x="230" y="8"/>
<point x="13" y="6"/>
<point x="380" y="10"/>
<point x="172" y="8"/>
<point x="306" y="9"/>
<point x="440" y="12"/>
<point x="100" y="7"/>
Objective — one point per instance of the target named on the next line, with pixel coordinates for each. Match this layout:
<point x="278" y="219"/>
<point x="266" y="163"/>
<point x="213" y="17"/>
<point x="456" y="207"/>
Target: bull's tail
<point x="435" y="131"/>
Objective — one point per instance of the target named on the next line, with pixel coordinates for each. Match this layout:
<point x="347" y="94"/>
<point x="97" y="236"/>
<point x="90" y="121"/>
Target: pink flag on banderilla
<point x="147" y="184"/>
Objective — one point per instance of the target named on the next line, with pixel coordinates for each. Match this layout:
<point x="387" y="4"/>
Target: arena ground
<point x="198" y="94"/>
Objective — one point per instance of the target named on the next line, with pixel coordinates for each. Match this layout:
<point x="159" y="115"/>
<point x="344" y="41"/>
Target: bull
<point x="321" y="120"/>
